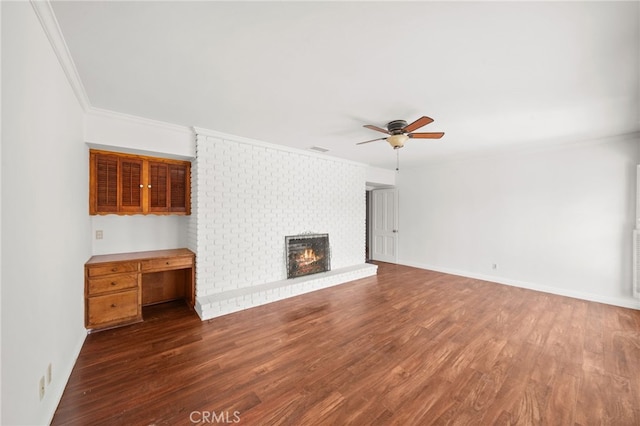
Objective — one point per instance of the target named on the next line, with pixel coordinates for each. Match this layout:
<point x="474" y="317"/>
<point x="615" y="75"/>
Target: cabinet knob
<point x="141" y="186"/>
<point x="114" y="269"/>
<point x="113" y="305"/>
<point x="167" y="262"/>
<point x="148" y="186"/>
<point x="113" y="283"/>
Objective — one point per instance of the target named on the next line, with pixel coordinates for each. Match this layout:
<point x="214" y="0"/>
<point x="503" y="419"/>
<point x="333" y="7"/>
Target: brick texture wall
<point x="247" y="197"/>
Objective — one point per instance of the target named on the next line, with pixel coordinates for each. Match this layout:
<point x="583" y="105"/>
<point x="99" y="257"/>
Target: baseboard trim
<point x="608" y="300"/>
<point x="66" y="374"/>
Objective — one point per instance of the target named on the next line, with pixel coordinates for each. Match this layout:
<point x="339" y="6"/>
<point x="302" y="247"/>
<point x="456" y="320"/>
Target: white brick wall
<point x="247" y="198"/>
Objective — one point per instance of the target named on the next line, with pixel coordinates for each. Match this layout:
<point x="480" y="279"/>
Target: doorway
<point x="382" y="225"/>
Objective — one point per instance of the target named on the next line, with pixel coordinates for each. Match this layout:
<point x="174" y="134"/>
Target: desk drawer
<point x="112" y="283"/>
<point x="112" y="268"/>
<point x="113" y="307"/>
<point x="168" y="263"/>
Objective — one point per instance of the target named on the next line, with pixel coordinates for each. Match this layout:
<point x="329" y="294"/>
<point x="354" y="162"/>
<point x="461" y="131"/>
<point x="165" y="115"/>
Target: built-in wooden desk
<point x="118" y="285"/>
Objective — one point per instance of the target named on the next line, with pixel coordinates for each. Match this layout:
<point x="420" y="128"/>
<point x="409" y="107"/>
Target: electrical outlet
<point x="41" y="390"/>
<point x="99" y="234"/>
<point x="494" y="266"/>
<point x="49" y="374"/>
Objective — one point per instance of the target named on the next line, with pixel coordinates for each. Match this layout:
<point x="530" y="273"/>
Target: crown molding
<point x="199" y="131"/>
<point x="105" y="113"/>
<point x="49" y="23"/>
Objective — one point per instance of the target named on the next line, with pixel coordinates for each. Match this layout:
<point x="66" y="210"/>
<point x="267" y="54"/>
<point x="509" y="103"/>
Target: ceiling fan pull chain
<point x="397" y="160"/>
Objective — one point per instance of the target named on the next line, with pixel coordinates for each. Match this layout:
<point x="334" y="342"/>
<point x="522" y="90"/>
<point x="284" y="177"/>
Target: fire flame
<point x="309" y="255"/>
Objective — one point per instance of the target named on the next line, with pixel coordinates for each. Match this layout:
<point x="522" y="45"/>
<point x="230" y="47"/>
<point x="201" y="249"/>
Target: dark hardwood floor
<point x="408" y="347"/>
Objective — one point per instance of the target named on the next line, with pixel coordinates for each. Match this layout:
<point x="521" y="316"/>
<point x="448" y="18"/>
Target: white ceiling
<point x="491" y="74"/>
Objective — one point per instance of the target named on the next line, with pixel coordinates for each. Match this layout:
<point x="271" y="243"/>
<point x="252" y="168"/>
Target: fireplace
<point x="307" y="254"/>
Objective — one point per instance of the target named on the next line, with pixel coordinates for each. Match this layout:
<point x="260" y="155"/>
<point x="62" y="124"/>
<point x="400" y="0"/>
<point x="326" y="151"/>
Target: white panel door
<point x="638" y="197"/>
<point x="384" y="229"/>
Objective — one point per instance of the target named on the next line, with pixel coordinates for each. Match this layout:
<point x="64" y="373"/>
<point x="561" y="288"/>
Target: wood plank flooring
<point x="407" y="347"/>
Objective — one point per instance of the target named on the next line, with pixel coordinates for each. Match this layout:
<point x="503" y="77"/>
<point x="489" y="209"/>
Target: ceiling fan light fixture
<point x="397" y="141"/>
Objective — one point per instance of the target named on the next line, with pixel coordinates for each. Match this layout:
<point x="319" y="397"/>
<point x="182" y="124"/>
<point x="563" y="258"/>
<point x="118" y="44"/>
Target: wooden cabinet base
<point x="117" y="307"/>
<point x="159" y="287"/>
<point x="118" y="285"/>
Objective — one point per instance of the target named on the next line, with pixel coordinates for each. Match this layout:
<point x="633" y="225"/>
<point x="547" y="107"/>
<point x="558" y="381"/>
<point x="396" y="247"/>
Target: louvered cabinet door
<point x="103" y="194"/>
<point x="180" y="187"/>
<point x="130" y="185"/>
<point x="158" y="187"/>
<point x="169" y="187"/>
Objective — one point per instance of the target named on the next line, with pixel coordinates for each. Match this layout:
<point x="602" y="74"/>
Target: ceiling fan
<point x="399" y="132"/>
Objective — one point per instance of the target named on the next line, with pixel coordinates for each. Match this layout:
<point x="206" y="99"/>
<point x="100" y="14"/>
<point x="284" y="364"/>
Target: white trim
<point x="67" y="370"/>
<point x="99" y="112"/>
<point x="380" y="204"/>
<point x="638" y="196"/>
<point x="49" y="23"/>
<point x="636" y="263"/>
<point x="615" y="301"/>
<point x="135" y="151"/>
<point x="1" y="210"/>
<point x="51" y="28"/>
<point x="241" y="139"/>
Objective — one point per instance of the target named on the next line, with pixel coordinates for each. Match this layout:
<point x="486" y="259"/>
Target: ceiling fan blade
<point x="422" y="121"/>
<point x="372" y="127"/>
<point x="432" y="135"/>
<point x="372" y="140"/>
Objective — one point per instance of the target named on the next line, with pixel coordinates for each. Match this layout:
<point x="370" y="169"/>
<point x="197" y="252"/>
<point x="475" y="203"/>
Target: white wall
<point x="44" y="220"/>
<point x="123" y="234"/>
<point x="123" y="133"/>
<point x="377" y="177"/>
<point x="558" y="219"/>
<point x="0" y="225"/>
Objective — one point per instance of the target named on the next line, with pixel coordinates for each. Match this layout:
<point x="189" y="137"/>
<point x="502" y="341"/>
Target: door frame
<point x="370" y="223"/>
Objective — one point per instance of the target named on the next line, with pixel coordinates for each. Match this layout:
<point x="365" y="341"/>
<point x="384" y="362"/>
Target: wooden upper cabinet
<point x="134" y="184"/>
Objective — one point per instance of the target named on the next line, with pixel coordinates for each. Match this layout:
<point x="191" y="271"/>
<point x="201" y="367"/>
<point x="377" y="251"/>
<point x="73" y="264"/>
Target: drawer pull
<point x="167" y="262"/>
<point x="114" y="283"/>
<point x="114" y="269"/>
<point x="113" y="305"/>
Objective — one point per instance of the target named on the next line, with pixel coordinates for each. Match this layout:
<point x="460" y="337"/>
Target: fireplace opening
<point x="307" y="254"/>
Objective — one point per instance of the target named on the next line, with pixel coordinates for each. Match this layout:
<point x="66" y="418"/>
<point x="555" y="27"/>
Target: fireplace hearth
<point x="307" y="254"/>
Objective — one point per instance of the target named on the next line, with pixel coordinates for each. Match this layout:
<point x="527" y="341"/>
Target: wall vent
<point x="318" y="149"/>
